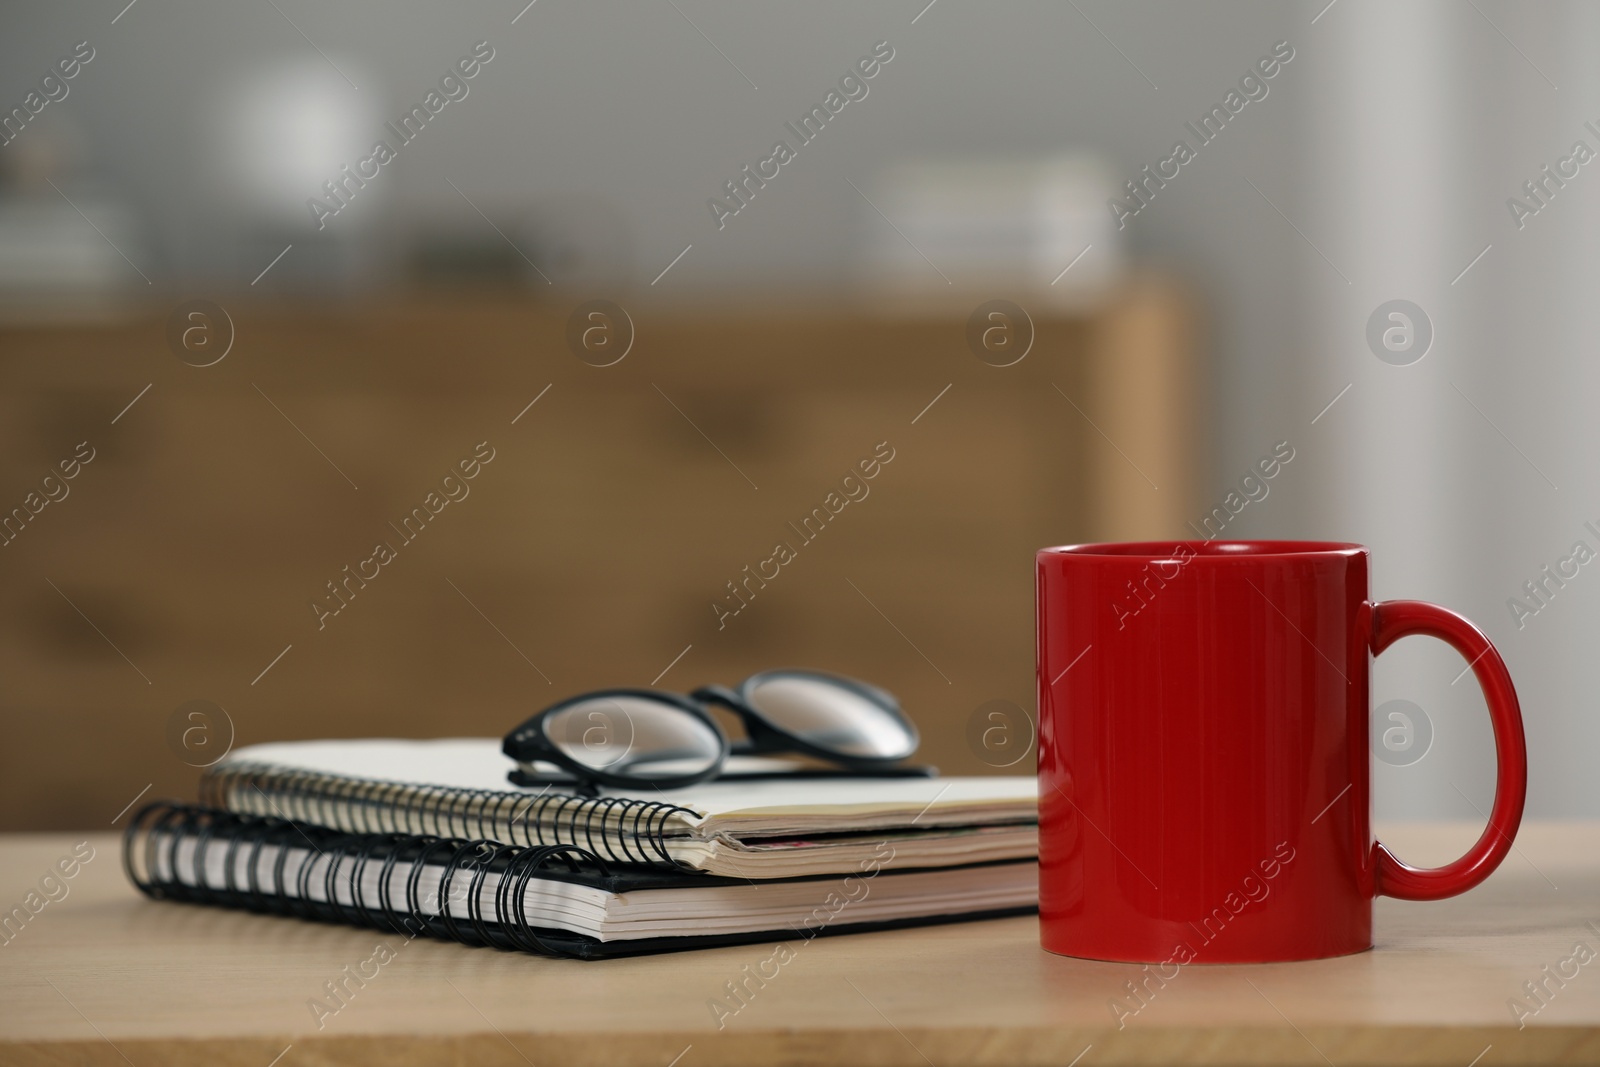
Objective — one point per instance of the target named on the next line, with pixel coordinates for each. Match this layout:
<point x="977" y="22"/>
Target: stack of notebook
<point x="427" y="837"/>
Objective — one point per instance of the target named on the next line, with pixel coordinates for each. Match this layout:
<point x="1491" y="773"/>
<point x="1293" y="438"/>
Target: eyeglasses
<point x="657" y="739"/>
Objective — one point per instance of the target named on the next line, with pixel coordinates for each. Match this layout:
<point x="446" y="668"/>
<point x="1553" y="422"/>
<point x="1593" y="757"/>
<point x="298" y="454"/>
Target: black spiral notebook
<point x="784" y="827"/>
<point x="556" y="900"/>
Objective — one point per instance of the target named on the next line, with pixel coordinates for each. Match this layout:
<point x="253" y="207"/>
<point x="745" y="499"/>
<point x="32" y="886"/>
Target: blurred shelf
<point x="188" y="552"/>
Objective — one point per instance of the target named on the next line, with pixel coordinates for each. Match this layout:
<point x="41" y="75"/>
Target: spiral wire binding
<point x="150" y="855"/>
<point x="612" y="828"/>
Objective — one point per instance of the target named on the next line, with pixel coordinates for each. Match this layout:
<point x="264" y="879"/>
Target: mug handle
<point x="1394" y="619"/>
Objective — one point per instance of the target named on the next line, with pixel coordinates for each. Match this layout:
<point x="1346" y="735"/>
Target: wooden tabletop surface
<point x="104" y="976"/>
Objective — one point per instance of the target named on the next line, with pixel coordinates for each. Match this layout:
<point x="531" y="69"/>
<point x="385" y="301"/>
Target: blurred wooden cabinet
<point x="185" y="557"/>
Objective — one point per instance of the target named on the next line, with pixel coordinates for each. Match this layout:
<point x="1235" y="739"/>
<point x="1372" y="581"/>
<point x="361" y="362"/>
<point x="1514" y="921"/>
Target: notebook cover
<point x="756" y="808"/>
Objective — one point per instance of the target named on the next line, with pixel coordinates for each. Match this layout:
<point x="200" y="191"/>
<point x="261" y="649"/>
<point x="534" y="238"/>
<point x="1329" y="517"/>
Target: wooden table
<point x="104" y="976"/>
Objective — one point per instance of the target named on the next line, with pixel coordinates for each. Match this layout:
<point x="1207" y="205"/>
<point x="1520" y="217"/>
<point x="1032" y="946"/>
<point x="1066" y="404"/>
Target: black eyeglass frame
<point x="530" y="742"/>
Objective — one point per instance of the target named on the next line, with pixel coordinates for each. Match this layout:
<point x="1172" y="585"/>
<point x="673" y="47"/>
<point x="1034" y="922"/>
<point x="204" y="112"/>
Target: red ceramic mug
<point x="1204" y="790"/>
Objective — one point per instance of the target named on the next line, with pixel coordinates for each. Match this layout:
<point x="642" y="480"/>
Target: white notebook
<point x="457" y="787"/>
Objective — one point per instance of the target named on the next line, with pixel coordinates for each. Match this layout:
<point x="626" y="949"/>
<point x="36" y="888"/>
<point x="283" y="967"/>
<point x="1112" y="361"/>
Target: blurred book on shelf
<point x="65" y="238"/>
<point x="1027" y="229"/>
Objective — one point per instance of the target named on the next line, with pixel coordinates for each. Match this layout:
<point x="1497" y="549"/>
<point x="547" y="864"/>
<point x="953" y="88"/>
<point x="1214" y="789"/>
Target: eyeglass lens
<point x="636" y="736"/>
<point x="832" y="716"/>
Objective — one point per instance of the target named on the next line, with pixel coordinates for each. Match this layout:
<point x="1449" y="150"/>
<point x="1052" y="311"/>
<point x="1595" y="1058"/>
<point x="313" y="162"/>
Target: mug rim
<point x="1196" y="550"/>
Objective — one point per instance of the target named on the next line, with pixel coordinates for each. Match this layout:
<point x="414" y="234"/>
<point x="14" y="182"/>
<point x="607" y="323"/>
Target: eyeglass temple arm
<point x="570" y="784"/>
